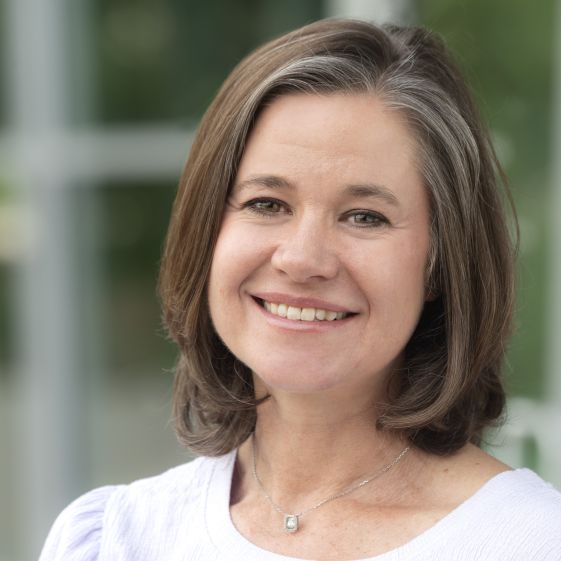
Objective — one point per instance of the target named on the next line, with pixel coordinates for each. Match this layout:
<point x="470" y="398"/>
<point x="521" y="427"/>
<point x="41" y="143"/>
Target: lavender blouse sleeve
<point x="76" y="533"/>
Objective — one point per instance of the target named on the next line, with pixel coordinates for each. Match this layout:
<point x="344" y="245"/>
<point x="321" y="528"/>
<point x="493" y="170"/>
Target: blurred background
<point x="98" y="103"/>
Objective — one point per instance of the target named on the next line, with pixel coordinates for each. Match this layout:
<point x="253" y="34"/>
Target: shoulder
<point x="528" y="496"/>
<point x="505" y="513"/>
<point x="76" y="533"/>
<point x="185" y="480"/>
<point x="520" y="513"/>
<point x="127" y="514"/>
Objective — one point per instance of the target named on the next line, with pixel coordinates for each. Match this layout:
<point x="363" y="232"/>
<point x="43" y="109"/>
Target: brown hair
<point x="449" y="387"/>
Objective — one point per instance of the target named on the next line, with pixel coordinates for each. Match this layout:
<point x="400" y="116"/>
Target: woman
<point x="338" y="276"/>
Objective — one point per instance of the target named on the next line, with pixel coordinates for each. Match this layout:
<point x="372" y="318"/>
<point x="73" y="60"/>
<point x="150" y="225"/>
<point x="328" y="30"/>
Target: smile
<point x="301" y="314"/>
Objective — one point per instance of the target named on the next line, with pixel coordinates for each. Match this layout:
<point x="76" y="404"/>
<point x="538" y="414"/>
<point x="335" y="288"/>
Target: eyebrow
<point x="358" y="191"/>
<point x="372" y="191"/>
<point x="270" y="181"/>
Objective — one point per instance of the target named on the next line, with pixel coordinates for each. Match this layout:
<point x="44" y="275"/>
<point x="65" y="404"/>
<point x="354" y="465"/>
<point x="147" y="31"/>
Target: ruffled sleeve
<point x="76" y="533"/>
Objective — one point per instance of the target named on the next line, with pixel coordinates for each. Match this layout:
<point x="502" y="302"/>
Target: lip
<point x="300" y="302"/>
<point x="299" y="325"/>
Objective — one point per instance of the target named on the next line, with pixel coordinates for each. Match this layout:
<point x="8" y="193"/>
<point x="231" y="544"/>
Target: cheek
<point x="237" y="255"/>
<point x="223" y="270"/>
<point x="410" y="274"/>
<point x="395" y="280"/>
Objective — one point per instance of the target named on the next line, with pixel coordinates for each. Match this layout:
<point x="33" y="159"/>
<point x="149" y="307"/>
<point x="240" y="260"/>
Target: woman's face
<point x="328" y="217"/>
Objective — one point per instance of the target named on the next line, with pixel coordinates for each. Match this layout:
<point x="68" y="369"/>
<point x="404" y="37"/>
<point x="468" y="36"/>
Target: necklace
<point x="291" y="521"/>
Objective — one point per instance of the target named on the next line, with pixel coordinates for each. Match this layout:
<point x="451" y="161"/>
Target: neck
<point x="309" y="447"/>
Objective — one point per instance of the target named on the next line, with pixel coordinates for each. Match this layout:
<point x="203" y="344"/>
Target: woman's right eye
<point x="265" y="207"/>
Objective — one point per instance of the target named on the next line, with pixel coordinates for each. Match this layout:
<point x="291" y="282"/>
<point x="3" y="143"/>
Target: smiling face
<point x="318" y="275"/>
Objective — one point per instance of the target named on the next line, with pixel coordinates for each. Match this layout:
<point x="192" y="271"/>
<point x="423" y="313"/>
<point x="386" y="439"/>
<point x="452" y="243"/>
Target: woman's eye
<point x="367" y="219"/>
<point x="264" y="206"/>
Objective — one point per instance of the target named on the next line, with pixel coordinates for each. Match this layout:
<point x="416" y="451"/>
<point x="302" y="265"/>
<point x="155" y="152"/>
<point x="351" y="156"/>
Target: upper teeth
<point x="304" y="314"/>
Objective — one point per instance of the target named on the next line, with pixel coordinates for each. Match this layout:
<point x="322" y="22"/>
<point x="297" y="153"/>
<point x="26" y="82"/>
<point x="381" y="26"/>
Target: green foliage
<point x="165" y="60"/>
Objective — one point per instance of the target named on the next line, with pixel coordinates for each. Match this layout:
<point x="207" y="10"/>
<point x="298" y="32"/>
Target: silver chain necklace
<point x="291" y="521"/>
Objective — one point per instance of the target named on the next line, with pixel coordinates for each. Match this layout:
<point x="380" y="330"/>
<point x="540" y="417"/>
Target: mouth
<point x="296" y="313"/>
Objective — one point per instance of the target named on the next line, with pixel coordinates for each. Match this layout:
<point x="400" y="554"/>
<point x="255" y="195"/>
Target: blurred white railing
<point x="531" y="437"/>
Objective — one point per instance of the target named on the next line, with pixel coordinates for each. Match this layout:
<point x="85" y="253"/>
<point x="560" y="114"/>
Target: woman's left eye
<point x="367" y="219"/>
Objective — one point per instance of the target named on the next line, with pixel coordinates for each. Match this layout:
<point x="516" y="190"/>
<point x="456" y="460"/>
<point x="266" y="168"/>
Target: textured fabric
<point x="183" y="514"/>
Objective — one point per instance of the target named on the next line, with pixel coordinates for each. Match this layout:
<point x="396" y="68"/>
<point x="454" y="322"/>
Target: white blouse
<point x="183" y="515"/>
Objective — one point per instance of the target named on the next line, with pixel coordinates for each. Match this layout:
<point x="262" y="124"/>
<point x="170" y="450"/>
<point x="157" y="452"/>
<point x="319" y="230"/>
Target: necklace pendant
<point x="290" y="523"/>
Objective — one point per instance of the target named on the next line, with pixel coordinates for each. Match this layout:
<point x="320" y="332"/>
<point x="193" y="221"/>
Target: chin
<point x="295" y="379"/>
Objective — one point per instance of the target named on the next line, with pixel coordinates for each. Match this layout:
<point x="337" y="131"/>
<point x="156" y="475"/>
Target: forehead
<point x="343" y="124"/>
<point x="347" y="138"/>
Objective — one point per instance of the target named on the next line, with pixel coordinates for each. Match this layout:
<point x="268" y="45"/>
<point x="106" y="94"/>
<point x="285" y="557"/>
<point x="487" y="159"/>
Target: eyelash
<point x="378" y="219"/>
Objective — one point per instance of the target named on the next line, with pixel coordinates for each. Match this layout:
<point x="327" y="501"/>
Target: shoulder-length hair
<point x="449" y="386"/>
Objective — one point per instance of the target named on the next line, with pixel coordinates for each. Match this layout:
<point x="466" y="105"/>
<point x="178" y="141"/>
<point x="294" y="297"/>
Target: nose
<point x="307" y="252"/>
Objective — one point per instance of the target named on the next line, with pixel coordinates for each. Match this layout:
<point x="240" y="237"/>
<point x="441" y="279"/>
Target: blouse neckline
<point x="233" y="545"/>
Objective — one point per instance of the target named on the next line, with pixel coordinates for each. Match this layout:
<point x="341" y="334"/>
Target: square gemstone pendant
<point x="291" y="523"/>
